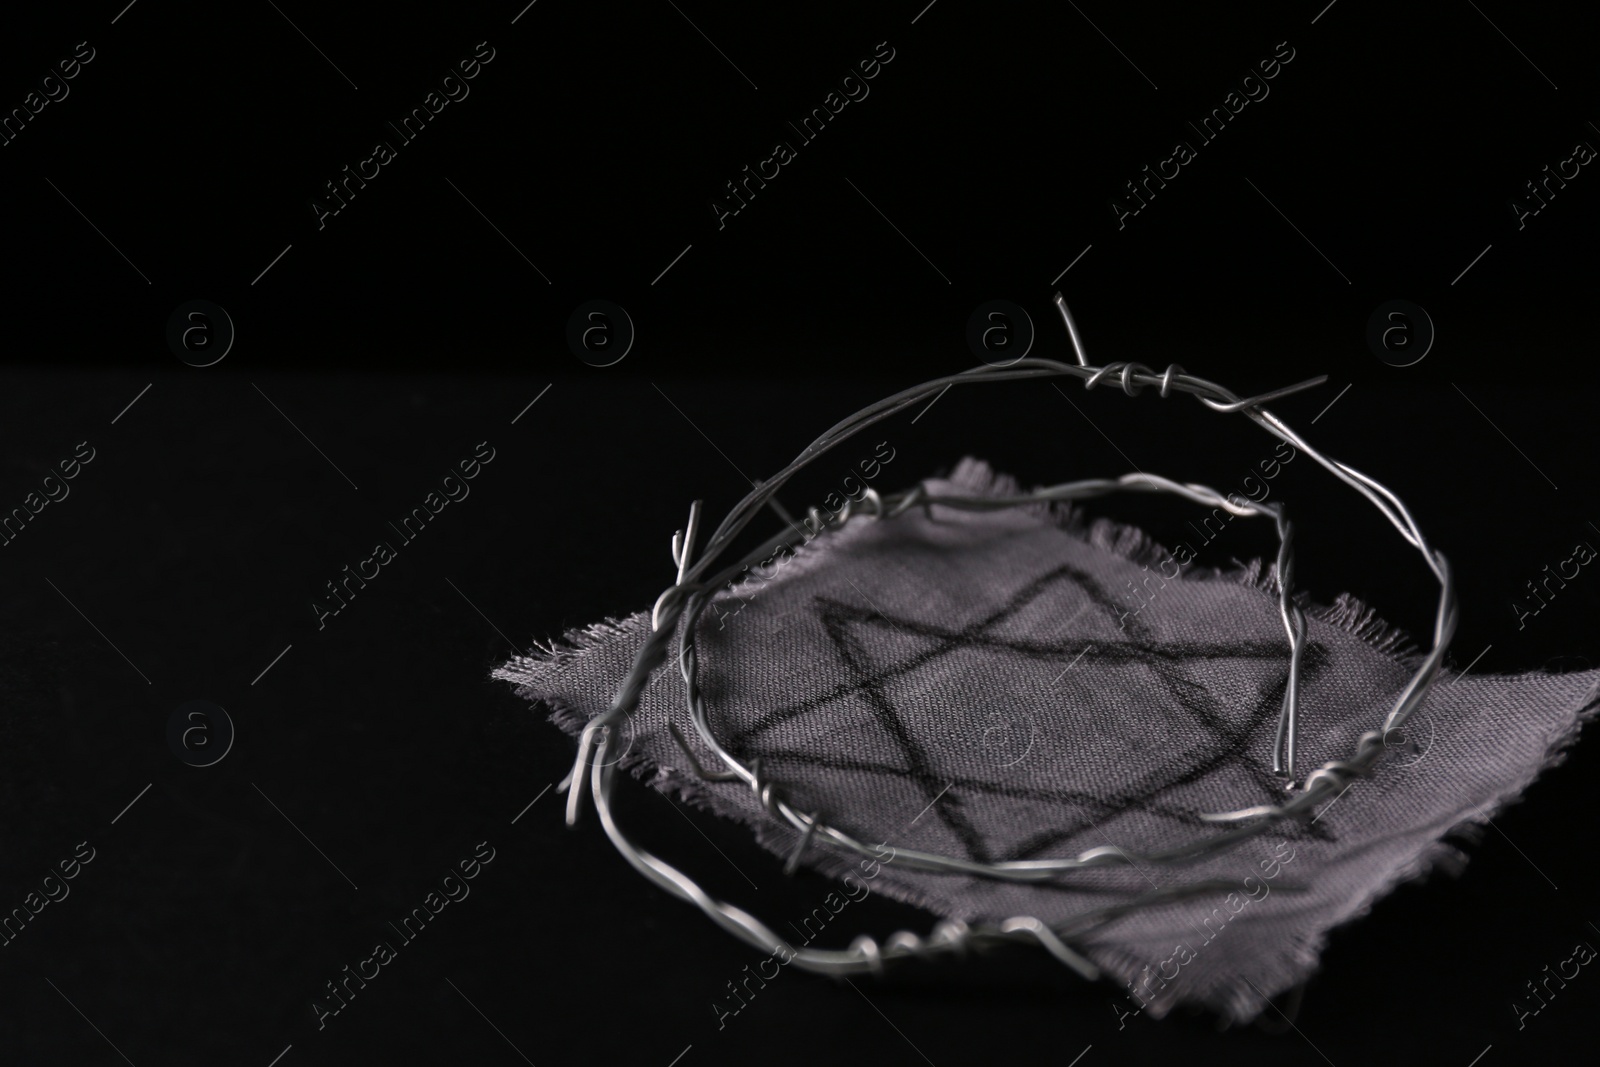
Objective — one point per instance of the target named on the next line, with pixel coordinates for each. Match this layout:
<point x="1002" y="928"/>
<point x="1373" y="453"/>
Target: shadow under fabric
<point x="982" y="685"/>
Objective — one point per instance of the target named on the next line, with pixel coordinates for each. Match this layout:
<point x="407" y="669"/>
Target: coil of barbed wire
<point x="686" y="599"/>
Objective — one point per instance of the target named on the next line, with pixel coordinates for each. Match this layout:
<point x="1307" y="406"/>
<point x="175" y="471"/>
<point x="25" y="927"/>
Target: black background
<point x="414" y="324"/>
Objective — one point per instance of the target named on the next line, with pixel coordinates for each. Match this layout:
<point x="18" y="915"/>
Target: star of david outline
<point x="1231" y="741"/>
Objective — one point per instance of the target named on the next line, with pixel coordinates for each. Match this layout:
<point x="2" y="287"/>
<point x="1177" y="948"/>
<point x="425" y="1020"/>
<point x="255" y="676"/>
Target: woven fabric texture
<point x="1024" y="683"/>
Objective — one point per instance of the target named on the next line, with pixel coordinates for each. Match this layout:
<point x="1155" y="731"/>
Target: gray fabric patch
<point x="978" y="684"/>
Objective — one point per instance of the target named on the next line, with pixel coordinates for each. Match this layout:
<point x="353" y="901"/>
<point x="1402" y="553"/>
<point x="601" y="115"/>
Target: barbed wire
<point x="686" y="599"/>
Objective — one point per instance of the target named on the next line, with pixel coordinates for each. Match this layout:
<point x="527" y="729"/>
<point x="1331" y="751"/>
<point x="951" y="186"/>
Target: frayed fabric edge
<point x="1236" y="1005"/>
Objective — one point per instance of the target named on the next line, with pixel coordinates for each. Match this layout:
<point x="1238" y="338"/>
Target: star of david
<point x="1225" y="743"/>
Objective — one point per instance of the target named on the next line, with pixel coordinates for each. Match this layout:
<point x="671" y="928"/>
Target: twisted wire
<point x="697" y="580"/>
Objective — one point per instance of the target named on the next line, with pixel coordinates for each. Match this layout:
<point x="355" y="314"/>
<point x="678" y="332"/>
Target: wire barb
<point x="694" y="761"/>
<point x="1072" y="331"/>
<point x="793" y="863"/>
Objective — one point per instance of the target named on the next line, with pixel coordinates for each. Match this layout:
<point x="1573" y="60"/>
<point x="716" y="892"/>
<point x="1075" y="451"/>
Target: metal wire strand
<point x="679" y="607"/>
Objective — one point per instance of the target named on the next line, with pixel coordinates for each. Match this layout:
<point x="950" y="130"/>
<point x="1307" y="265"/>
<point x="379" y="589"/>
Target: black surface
<point x="410" y="328"/>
